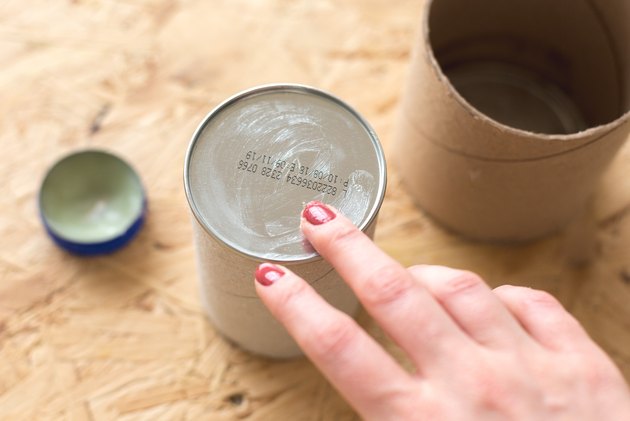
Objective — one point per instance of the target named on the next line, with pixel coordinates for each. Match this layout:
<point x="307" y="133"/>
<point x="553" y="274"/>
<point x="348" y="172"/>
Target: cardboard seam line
<point x="256" y="296"/>
<point x="512" y="161"/>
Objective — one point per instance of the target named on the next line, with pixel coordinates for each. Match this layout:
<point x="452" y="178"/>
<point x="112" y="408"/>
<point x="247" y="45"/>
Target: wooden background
<point x="123" y="336"/>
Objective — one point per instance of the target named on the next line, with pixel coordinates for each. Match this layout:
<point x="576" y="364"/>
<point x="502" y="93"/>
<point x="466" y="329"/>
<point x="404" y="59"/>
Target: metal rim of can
<point x="285" y="87"/>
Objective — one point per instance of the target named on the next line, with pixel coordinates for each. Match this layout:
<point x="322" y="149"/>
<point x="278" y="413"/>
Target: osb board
<point x="123" y="336"/>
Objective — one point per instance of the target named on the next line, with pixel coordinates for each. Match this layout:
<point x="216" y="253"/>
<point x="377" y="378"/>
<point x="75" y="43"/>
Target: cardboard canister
<point x="252" y="165"/>
<point x="512" y="111"/>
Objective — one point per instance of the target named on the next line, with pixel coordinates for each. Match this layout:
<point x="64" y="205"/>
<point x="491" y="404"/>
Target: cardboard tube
<point x="251" y="166"/>
<point x="512" y="111"/>
<point x="229" y="296"/>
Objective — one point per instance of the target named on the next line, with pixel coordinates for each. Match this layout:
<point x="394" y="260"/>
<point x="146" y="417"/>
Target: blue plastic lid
<point x="92" y="202"/>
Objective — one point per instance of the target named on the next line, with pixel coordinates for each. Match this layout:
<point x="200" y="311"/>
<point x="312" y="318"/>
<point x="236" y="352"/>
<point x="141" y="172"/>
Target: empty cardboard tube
<point x="512" y="111"/>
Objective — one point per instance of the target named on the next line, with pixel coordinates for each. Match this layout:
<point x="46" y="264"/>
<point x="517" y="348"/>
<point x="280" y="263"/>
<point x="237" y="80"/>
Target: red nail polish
<point x="317" y="213"/>
<point x="267" y="274"/>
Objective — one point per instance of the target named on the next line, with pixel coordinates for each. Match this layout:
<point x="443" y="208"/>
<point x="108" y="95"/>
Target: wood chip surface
<point x="124" y="337"/>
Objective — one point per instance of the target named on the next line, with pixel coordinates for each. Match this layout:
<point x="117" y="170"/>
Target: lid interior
<point x="91" y="197"/>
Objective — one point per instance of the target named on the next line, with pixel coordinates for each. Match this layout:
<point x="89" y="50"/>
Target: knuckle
<point x="345" y="236"/>
<point x="460" y="283"/>
<point x="543" y="302"/>
<point x="510" y="289"/>
<point x="492" y="394"/>
<point x="543" y="298"/>
<point x="494" y="388"/>
<point x="332" y="338"/>
<point x="528" y="297"/>
<point x="405" y="401"/>
<point x="386" y="284"/>
<point x="417" y="270"/>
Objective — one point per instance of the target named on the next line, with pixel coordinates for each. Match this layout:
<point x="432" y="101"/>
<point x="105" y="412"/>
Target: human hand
<point x="510" y="353"/>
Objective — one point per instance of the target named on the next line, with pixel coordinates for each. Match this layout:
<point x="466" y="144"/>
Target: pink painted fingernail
<point x="267" y="274"/>
<point x="317" y="213"/>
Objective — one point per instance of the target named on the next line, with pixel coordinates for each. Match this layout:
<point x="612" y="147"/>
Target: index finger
<point x="400" y="304"/>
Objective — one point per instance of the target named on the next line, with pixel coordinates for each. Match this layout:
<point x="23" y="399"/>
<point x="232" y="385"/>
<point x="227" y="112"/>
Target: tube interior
<point x="545" y="67"/>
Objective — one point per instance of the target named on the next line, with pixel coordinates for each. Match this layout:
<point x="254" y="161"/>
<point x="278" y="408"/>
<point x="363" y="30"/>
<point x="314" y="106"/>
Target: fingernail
<point x="317" y="213"/>
<point x="267" y="274"/>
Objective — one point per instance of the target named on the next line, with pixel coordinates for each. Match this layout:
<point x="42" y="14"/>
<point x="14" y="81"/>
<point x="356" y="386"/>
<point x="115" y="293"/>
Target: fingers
<point x="352" y="361"/>
<point x="402" y="306"/>
<point x="472" y="304"/>
<point x="544" y="318"/>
